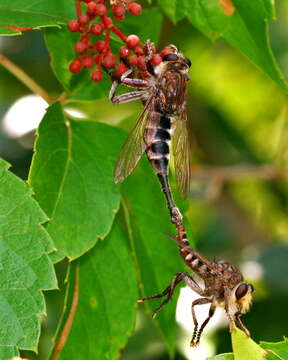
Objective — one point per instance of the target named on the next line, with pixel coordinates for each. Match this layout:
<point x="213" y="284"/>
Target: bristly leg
<point x="241" y="325"/>
<point x="196" y="338"/>
<point x="170" y="289"/>
<point x="196" y="335"/>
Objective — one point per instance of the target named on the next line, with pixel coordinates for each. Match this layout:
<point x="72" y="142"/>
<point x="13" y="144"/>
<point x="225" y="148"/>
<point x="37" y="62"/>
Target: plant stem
<point x="67" y="327"/>
<point x="265" y="172"/>
<point x="24" y="78"/>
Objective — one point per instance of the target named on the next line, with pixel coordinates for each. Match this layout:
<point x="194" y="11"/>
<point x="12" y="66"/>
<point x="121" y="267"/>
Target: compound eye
<point x="170" y="57"/>
<point x="188" y="62"/>
<point x="241" y="290"/>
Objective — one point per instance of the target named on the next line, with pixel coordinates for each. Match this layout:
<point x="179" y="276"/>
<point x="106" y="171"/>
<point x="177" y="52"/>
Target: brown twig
<point x="235" y="172"/>
<point x="67" y="327"/>
<point x="24" y="78"/>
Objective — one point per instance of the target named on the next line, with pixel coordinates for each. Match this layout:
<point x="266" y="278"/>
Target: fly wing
<point x="134" y="146"/>
<point x="182" y="151"/>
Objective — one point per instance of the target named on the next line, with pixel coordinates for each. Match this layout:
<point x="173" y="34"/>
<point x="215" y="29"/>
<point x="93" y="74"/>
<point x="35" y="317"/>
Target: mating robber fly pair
<point x="163" y="93"/>
<point x="164" y="118"/>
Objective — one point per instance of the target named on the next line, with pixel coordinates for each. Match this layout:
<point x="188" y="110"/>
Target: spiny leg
<point x="200" y="301"/>
<point x="227" y="294"/>
<point x="170" y="289"/>
<point x="129" y="96"/>
<point x="135" y="83"/>
<point x="211" y="313"/>
<point x="241" y="325"/>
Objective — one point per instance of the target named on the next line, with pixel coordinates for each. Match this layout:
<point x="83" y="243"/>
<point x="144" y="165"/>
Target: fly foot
<point x="176" y="216"/>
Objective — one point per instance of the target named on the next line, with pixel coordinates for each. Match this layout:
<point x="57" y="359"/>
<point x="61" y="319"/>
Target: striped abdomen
<point x="192" y="258"/>
<point x="158" y="141"/>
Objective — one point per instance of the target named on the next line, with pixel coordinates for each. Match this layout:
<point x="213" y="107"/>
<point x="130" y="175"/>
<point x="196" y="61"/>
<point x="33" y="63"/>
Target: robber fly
<point x="163" y="93"/>
<point x="222" y="286"/>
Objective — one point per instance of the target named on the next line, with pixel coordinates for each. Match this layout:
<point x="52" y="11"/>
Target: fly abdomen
<point x="160" y="147"/>
<point x="162" y="134"/>
<point x="159" y="141"/>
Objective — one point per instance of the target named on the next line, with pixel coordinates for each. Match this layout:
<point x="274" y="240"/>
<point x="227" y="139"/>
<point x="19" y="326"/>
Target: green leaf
<point x="175" y="9"/>
<point x="156" y="255"/>
<point x="19" y="13"/>
<point x="8" y="352"/>
<point x="60" y="43"/>
<point x="71" y="175"/>
<point x="278" y="350"/>
<point x="25" y="267"/>
<point x="106" y="308"/>
<point x="227" y="356"/>
<point x="245" y="348"/>
<point x="246" y="30"/>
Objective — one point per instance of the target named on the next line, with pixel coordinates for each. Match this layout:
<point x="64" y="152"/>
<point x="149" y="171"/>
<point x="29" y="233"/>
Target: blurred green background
<point x="239" y="201"/>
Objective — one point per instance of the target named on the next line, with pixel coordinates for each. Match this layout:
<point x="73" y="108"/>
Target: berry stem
<point x="107" y="42"/>
<point x="118" y="33"/>
<point x="78" y="8"/>
<point x="24" y="78"/>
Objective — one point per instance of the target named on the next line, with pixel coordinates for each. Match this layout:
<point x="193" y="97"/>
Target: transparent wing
<point x="134" y="145"/>
<point x="182" y="151"/>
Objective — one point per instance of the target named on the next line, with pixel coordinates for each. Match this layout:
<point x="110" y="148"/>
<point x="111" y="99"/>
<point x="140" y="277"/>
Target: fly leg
<point x="197" y="334"/>
<point x="241" y="325"/>
<point x="170" y="289"/>
<point x="130" y="96"/>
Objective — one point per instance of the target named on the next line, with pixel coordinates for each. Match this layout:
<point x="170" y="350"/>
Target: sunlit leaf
<point x="277" y="350"/>
<point x="71" y="175"/>
<point x="228" y="356"/>
<point x="25" y="268"/>
<point x="245" y="348"/>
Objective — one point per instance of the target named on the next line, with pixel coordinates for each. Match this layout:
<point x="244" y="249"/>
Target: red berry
<point x="141" y="62"/>
<point x="107" y="22"/>
<point x="98" y="58"/>
<point x="96" y="29"/>
<point x="108" y="61"/>
<point x="91" y="8"/>
<point x="134" y="8"/>
<point x="96" y="75"/>
<point x="100" y="9"/>
<point x="80" y="46"/>
<point x="120" y="70"/>
<point x="118" y="10"/>
<point x="120" y="18"/>
<point x="87" y="1"/>
<point x="132" y="41"/>
<point x="133" y="60"/>
<point x="124" y="51"/>
<point x="83" y="19"/>
<point x="156" y="59"/>
<point x="165" y="51"/>
<point x="73" y="25"/>
<point x="138" y="51"/>
<point x="87" y="61"/>
<point x="100" y="46"/>
<point x="85" y="39"/>
<point x="75" y="66"/>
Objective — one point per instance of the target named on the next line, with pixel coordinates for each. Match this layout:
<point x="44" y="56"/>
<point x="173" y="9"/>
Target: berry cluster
<point x="97" y="55"/>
